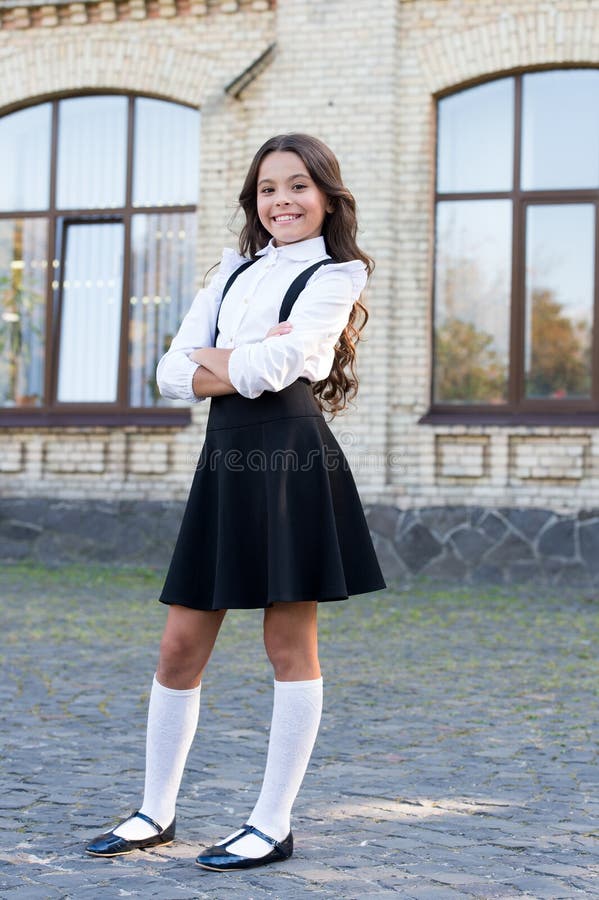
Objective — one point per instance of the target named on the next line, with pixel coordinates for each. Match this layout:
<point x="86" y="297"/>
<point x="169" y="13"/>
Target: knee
<point x="279" y="652"/>
<point x="179" y="665"/>
<point x="290" y="659"/>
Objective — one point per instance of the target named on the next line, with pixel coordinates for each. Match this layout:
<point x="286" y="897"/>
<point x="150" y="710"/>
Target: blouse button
<point x="246" y="300"/>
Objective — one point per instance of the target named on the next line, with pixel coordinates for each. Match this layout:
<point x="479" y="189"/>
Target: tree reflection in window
<point x="560" y="361"/>
<point x="23" y="269"/>
<point x="472" y="302"/>
<point x="515" y="286"/>
<point x="560" y="249"/>
<point x="467" y="366"/>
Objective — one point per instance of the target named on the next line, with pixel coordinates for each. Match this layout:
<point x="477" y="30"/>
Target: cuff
<point x="238" y="365"/>
<point x="193" y="367"/>
<point x="174" y="376"/>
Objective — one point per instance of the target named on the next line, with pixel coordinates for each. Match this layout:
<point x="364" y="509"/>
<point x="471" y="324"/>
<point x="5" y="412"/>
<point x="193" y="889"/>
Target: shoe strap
<point x="140" y="815"/>
<point x="251" y="829"/>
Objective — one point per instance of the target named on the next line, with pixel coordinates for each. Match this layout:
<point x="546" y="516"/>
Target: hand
<point x="195" y="356"/>
<point x="280" y="328"/>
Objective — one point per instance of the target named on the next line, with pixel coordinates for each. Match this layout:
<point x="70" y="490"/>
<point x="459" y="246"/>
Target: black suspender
<point x="291" y="295"/>
<point x="297" y="286"/>
<point x="232" y="278"/>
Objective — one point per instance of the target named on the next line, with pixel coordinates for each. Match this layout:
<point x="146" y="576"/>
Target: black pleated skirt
<point x="273" y="513"/>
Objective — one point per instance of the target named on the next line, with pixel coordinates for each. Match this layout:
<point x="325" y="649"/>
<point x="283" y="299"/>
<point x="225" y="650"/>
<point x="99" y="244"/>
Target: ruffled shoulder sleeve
<point x="355" y="269"/>
<point x="230" y="261"/>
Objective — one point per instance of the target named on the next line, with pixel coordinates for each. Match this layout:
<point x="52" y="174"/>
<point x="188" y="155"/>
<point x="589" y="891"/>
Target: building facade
<point x="459" y="127"/>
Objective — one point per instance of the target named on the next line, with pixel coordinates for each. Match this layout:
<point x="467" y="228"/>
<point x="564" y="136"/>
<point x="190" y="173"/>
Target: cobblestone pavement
<point x="457" y="755"/>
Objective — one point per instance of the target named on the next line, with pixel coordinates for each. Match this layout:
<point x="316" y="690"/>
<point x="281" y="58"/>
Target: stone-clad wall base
<point x="54" y="532"/>
<point x="466" y="543"/>
<point x="473" y="543"/>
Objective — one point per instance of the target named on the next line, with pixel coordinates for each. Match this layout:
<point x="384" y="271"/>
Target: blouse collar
<point x="314" y="248"/>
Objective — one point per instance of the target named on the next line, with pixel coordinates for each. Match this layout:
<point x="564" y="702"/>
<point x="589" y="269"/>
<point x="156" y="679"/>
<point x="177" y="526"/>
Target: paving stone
<point x="494" y="892"/>
<point x="543" y="888"/>
<point x="430" y="892"/>
<point x="381" y="895"/>
<point x="32" y="891"/>
<point x="456" y="757"/>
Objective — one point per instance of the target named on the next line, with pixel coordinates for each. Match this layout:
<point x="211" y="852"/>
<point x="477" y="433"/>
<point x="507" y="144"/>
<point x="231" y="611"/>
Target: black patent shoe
<point x="218" y="859"/>
<point x="110" y="844"/>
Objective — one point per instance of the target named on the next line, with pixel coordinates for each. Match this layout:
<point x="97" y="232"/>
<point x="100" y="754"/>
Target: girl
<point x="273" y="520"/>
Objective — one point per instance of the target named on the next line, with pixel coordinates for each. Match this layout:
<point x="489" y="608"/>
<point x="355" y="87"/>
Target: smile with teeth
<point x="286" y="217"/>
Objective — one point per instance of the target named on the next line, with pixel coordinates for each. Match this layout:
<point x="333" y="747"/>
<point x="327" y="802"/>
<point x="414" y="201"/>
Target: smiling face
<point x="290" y="205"/>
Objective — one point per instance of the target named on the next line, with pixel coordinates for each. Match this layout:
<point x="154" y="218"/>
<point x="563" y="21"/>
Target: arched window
<point x="98" y="200"/>
<point x="516" y="281"/>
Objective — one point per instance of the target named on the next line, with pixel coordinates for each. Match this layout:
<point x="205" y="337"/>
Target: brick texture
<point x="364" y="78"/>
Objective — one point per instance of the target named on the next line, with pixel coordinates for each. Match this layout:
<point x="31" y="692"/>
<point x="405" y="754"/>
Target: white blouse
<point x="251" y="307"/>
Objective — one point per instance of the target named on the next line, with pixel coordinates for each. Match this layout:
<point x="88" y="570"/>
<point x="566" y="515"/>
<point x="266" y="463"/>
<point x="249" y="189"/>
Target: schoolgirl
<point x="273" y="519"/>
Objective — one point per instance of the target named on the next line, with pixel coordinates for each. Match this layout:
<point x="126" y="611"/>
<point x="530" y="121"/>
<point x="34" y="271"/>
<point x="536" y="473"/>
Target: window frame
<point x="54" y="413"/>
<point x="518" y="409"/>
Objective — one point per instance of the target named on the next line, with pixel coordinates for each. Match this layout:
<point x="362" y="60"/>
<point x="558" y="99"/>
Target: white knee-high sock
<point x="296" y="715"/>
<point x="172" y="723"/>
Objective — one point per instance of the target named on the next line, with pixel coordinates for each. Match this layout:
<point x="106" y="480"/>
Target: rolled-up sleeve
<point x="319" y="316"/>
<point x="174" y="376"/>
<point x="175" y="370"/>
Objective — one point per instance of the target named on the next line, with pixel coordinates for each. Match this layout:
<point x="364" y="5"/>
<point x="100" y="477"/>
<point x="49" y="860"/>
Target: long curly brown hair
<point x="339" y="232"/>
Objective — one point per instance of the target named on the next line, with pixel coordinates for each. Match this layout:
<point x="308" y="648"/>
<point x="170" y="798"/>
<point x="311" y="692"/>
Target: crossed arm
<point x="211" y="379"/>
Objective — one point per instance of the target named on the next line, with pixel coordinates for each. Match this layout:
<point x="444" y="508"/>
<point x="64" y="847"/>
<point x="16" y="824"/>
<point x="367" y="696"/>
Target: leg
<point x="188" y="639"/>
<point x="291" y="640"/>
<point x="185" y="649"/>
<point x="290" y="637"/>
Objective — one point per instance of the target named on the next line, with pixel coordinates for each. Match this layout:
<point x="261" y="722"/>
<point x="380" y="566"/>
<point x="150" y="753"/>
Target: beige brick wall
<point x="442" y="44"/>
<point x="187" y="58"/>
<point x="363" y="77"/>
